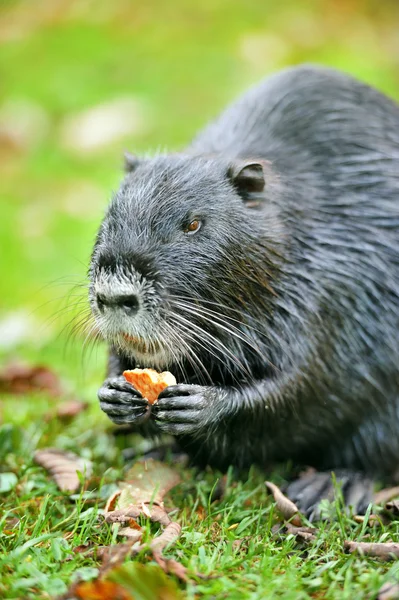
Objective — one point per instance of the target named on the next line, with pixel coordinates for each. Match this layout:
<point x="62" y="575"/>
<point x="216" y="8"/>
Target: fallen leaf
<point x="19" y="378"/>
<point x="306" y="534"/>
<point x="171" y="566"/>
<point x="393" y="507"/>
<point x="156" y="514"/>
<point x="288" y="509"/>
<point x="134" y="525"/>
<point x="385" y="495"/>
<point x="169" y="535"/>
<point x="147" y="482"/>
<point x="201" y="513"/>
<point x="145" y="510"/>
<point x="389" y="591"/>
<point x="113" y="556"/>
<point x="133" y="534"/>
<point x="237" y="544"/>
<point x="385" y="550"/>
<point x="63" y="467"/>
<point x="101" y="590"/>
<point x="143" y="492"/>
<point x="70" y="409"/>
<point x="372" y="519"/>
<point x="111" y="503"/>
<point x="104" y="553"/>
<point x="12" y="522"/>
<point x="82" y="548"/>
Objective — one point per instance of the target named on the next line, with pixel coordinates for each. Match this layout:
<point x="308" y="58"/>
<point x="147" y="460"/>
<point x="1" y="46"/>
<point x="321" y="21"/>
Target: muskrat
<point x="261" y="267"/>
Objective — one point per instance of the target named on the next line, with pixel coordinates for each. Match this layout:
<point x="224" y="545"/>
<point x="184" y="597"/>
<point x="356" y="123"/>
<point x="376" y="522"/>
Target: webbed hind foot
<point x="308" y="491"/>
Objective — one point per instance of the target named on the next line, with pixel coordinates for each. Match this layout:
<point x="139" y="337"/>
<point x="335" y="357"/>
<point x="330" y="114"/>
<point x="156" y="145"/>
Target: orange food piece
<point x="148" y="382"/>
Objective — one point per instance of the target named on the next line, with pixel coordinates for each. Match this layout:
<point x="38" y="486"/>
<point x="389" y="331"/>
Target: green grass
<point x="181" y="62"/>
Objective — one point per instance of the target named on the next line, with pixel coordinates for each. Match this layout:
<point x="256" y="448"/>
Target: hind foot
<point x="307" y="492"/>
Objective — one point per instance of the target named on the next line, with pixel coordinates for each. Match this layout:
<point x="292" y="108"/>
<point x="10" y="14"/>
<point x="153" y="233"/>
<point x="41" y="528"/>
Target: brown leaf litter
<point x="20" y="378"/>
<point x="284" y="505"/>
<point x="384" y="496"/>
<point x="383" y="550"/>
<point x="63" y="467"/>
<point x="142" y="493"/>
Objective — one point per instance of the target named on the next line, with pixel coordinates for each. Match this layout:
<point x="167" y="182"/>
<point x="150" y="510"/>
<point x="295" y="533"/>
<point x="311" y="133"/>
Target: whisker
<point x="192" y="357"/>
<point x="232" y="330"/>
<point x="170" y="349"/>
<point x="205" y="335"/>
<point x="222" y="316"/>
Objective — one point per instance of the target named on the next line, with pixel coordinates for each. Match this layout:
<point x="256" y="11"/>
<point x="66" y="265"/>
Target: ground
<point x="69" y="72"/>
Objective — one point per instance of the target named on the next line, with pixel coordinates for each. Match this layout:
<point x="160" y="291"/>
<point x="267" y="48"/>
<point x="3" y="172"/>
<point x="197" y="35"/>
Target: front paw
<point x="183" y="409"/>
<point x="122" y="402"/>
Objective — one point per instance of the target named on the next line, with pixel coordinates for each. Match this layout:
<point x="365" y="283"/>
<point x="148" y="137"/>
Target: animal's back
<point x="305" y="116"/>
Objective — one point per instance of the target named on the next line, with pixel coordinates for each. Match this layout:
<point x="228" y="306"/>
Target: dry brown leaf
<point x="393" y="507"/>
<point x="134" y="535"/>
<point x="237" y="544"/>
<point x="112" y="501"/>
<point x="70" y="409"/>
<point x="372" y="520"/>
<point x="103" y="553"/>
<point x="385" y="495"/>
<point x="385" y="550"/>
<point x="134" y="525"/>
<point x="81" y="549"/>
<point x="156" y="514"/>
<point x="288" y="509"/>
<point x="145" y="510"/>
<point x="63" y="467"/>
<point x="306" y="534"/>
<point x="101" y="590"/>
<point x="19" y="378"/>
<point x="113" y="556"/>
<point x="389" y="591"/>
<point x="147" y="482"/>
<point x="145" y="487"/>
<point x="11" y="522"/>
<point x="171" y="566"/>
<point x="170" y="534"/>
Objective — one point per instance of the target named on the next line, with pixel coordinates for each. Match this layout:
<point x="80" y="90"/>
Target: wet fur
<point x="310" y="278"/>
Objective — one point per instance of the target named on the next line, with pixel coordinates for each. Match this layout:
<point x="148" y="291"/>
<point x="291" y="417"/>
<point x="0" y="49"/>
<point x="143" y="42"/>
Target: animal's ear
<point x="131" y="162"/>
<point x="248" y="177"/>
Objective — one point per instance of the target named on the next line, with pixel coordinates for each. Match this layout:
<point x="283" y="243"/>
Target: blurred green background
<point x="82" y="80"/>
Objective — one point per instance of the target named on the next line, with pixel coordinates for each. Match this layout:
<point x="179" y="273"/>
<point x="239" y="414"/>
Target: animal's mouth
<point x="141" y="345"/>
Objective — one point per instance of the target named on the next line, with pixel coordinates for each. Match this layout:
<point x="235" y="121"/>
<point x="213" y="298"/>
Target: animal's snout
<point x="129" y="303"/>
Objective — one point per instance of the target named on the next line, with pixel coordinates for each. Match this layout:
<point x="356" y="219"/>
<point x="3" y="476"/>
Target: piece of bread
<point x="148" y="382"/>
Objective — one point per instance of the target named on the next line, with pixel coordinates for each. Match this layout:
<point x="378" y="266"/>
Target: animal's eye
<point x="193" y="227"/>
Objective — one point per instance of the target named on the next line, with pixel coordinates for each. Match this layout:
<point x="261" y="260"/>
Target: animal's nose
<point x="128" y="303"/>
